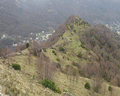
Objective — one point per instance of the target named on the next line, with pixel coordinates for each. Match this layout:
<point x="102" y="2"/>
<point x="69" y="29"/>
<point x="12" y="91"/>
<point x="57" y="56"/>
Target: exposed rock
<point x="66" y="94"/>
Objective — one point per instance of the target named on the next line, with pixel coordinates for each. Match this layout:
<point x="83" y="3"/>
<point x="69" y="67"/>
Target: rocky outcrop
<point x="66" y="94"/>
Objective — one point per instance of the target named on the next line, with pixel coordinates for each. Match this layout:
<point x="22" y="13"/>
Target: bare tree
<point x="29" y="57"/>
<point x="45" y="69"/>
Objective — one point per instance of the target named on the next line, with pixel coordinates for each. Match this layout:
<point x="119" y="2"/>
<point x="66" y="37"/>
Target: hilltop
<point x="75" y="54"/>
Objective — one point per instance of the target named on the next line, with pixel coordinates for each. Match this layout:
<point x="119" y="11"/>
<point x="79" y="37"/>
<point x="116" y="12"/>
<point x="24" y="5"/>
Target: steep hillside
<point x="78" y="60"/>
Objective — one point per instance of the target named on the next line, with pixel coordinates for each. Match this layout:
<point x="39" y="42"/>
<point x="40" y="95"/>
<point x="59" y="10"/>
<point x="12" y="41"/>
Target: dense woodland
<point x="106" y="65"/>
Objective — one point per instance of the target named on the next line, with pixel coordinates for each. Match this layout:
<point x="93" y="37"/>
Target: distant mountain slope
<point x="21" y="17"/>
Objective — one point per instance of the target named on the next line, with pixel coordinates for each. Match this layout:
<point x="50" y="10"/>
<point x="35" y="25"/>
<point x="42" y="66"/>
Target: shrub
<point x="58" y="59"/>
<point x="16" y="66"/>
<point x="97" y="87"/>
<point x="48" y="83"/>
<point x="72" y="26"/>
<point x="108" y="57"/>
<point x="58" y="65"/>
<point x="83" y="46"/>
<point x="110" y="88"/>
<point x="74" y="72"/>
<point x="81" y="73"/>
<point x="58" y="90"/>
<point x="74" y="31"/>
<point x="102" y="54"/>
<point x="61" y="49"/>
<point x="54" y="52"/>
<point x="87" y="85"/>
<point x="68" y="59"/>
<point x="27" y="45"/>
<point x="65" y="90"/>
<point x="67" y="65"/>
<point x="80" y="55"/>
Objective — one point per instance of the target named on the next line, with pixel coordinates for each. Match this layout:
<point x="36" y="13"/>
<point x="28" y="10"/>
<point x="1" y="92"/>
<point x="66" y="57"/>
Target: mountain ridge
<point x="81" y="54"/>
<point x="60" y="31"/>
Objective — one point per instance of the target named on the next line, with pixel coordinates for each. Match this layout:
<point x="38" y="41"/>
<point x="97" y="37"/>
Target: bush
<point x="27" y="45"/>
<point x="97" y="87"/>
<point x="58" y="65"/>
<point x="58" y="59"/>
<point x="67" y="65"/>
<point x="65" y="90"/>
<point x="87" y="85"/>
<point x="61" y="49"/>
<point x="58" y="90"/>
<point x="102" y="54"/>
<point x="16" y="66"/>
<point x="50" y="84"/>
<point x="83" y="46"/>
<point x="74" y="72"/>
<point x="68" y="59"/>
<point x="110" y="88"/>
<point x="74" y="31"/>
<point x="54" y="52"/>
<point x="80" y="55"/>
<point x="72" y="26"/>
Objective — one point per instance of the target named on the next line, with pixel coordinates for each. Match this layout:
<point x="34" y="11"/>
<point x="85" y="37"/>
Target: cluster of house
<point x="42" y="36"/>
<point x="36" y="36"/>
<point x="4" y="36"/>
<point x="115" y="27"/>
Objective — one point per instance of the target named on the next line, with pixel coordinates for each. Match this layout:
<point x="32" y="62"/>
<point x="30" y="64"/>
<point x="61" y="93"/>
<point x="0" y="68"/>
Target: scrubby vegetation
<point x="50" y="84"/>
<point x="27" y="45"/>
<point x="16" y="66"/>
<point x="61" y="49"/>
<point x="54" y="52"/>
<point x="80" y="55"/>
<point x="110" y="88"/>
<point x="58" y="59"/>
<point x="87" y="85"/>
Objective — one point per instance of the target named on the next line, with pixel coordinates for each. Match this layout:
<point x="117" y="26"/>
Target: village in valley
<point x="114" y="27"/>
<point x="42" y="36"/>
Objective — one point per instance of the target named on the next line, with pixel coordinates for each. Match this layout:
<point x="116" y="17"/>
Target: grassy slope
<point x="23" y="81"/>
<point x="26" y="84"/>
